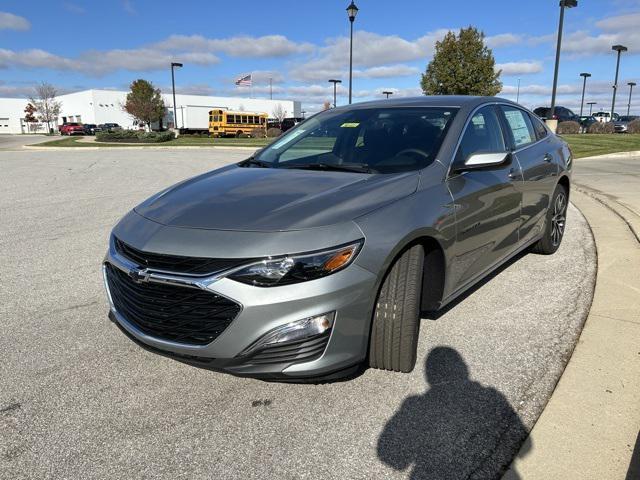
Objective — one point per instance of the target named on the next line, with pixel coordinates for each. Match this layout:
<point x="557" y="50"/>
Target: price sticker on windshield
<point x="349" y="125"/>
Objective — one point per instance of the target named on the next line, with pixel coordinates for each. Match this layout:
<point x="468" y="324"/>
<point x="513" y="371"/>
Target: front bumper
<point x="350" y="293"/>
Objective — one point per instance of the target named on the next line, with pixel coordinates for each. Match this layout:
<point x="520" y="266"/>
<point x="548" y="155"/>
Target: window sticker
<point x="521" y="134"/>
<point x="349" y="125"/>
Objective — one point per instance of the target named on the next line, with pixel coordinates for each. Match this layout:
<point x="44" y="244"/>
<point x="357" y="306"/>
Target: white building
<point x="105" y="106"/>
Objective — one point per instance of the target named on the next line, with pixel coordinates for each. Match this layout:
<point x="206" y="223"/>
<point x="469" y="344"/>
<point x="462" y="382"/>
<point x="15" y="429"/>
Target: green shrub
<point x="601" y="127"/>
<point x="273" y="132"/>
<point x="634" y="127"/>
<point x="568" y="128"/>
<point x="133" y="136"/>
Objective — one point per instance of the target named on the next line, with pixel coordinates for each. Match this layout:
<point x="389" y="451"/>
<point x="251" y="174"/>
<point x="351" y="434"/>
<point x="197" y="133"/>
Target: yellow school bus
<point x="224" y="123"/>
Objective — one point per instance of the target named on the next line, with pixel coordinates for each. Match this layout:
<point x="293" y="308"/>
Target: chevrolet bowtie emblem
<point x="139" y="276"/>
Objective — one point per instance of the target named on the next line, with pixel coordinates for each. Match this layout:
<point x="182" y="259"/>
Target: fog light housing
<point x="291" y="332"/>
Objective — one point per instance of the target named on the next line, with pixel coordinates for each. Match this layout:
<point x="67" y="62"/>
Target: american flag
<point x="244" y="81"/>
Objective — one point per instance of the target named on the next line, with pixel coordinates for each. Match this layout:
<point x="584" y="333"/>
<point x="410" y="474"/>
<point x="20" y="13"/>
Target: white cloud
<point x="9" y="21"/>
<point x="128" y="7"/>
<point x="373" y="50"/>
<point x="98" y="63"/>
<point x="503" y="40"/>
<point x="240" y="46"/>
<point x="621" y="29"/>
<point x="387" y="71"/>
<point x="519" y="68"/>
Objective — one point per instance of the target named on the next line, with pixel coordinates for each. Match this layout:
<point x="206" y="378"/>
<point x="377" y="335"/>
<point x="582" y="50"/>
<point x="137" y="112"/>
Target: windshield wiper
<point x="254" y="161"/>
<point x="331" y="167"/>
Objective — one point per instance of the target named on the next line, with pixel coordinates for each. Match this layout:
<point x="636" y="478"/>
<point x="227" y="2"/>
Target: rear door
<point x="487" y="204"/>
<point x="532" y="146"/>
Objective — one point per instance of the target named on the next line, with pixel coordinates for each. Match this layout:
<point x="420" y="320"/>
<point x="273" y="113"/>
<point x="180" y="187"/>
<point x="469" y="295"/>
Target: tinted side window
<point x="541" y="132"/>
<point x="482" y="135"/>
<point x="520" y="126"/>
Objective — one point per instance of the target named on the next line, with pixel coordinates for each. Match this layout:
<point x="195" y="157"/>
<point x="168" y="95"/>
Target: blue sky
<point x="301" y="44"/>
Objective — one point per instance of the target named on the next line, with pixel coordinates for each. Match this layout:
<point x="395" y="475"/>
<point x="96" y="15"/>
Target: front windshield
<point x="374" y="140"/>
<point x="630" y="118"/>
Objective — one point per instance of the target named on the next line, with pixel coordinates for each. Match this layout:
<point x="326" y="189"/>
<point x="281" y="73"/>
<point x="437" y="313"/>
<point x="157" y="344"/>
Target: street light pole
<point x="335" y="82"/>
<point x="173" y="86"/>
<point x="352" y="11"/>
<point x="387" y="93"/>
<point x="591" y="104"/>
<point x="619" y="49"/>
<point x="518" y="92"/>
<point x="584" y="86"/>
<point x="563" y="4"/>
<point x="631" y="85"/>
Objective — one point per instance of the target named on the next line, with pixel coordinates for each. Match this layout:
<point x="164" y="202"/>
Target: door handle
<point x="548" y="157"/>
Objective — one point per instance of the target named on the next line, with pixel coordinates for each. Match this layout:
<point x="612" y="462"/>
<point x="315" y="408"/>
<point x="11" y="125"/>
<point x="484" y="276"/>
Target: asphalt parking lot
<point x="79" y="400"/>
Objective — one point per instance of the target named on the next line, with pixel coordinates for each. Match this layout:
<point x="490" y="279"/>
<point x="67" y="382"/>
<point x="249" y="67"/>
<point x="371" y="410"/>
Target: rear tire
<point x="396" y="317"/>
<point x="556" y="218"/>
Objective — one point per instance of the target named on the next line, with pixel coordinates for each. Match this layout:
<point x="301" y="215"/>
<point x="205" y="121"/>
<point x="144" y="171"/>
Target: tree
<point x="44" y="100"/>
<point x="462" y="65"/>
<point x="279" y="113"/>
<point x="144" y="103"/>
<point x="326" y="105"/>
<point x="29" y="116"/>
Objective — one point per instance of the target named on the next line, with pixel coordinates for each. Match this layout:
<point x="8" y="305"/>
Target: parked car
<point x="109" y="127"/>
<point x="561" y="114"/>
<point x="604" y="116"/>
<point x="586" y="121"/>
<point x="623" y="122"/>
<point x="71" y="128"/>
<point x="90" y="128"/>
<point x="289" y="123"/>
<point x="319" y="253"/>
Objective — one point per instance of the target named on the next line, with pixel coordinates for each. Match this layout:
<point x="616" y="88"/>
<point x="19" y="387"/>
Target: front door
<point x="487" y="204"/>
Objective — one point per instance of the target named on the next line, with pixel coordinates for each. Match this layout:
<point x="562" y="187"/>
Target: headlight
<point x="290" y="269"/>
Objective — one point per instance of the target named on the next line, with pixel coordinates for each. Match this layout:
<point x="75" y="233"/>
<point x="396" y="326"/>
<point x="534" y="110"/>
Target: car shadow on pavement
<point x="457" y="429"/>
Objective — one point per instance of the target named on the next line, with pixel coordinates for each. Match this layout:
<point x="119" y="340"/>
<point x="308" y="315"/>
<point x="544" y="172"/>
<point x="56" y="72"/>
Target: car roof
<point x="460" y="101"/>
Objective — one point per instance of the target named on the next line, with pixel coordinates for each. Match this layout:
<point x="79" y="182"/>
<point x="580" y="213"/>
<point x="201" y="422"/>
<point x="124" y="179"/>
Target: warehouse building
<point x="105" y="106"/>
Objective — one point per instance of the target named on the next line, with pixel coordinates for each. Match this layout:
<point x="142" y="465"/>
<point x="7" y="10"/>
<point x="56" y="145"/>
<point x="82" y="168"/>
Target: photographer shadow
<point x="457" y="429"/>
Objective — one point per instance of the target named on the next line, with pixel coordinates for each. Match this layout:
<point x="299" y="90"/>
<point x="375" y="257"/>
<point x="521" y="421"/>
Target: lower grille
<point x="178" y="314"/>
<point x="299" y="351"/>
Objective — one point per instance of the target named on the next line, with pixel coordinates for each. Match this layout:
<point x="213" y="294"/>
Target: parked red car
<point x="71" y="128"/>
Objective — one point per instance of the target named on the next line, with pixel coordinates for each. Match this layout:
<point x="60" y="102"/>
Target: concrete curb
<point x="139" y="147"/>
<point x="589" y="426"/>
<point x="612" y="155"/>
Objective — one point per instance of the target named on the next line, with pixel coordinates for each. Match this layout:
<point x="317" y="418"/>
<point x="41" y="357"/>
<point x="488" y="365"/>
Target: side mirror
<point x="485" y="160"/>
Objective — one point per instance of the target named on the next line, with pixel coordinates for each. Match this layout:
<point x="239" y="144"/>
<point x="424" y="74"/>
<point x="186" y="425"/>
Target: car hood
<point x="274" y="199"/>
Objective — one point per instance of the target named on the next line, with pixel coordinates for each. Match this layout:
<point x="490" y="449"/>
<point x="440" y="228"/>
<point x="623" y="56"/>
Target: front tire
<point x="396" y="317"/>
<point x="554" y="224"/>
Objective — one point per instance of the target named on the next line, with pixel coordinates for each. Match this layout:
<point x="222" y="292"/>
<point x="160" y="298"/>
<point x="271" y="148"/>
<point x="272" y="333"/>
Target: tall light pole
<point x="303" y="112"/>
<point x="335" y="82"/>
<point x="563" y="4"/>
<point x="619" y="49"/>
<point x="173" y="85"/>
<point x="631" y="85"/>
<point x="584" y="86"/>
<point x="591" y="104"/>
<point x="387" y="93"/>
<point x="518" y="92"/>
<point x="352" y="11"/>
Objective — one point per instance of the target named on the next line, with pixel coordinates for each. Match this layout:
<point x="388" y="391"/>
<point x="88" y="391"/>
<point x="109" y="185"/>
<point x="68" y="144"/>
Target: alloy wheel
<point x="558" y="219"/>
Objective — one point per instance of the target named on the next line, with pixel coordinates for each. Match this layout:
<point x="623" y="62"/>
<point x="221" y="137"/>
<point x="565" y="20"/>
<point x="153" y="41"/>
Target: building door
<point x="4" y="125"/>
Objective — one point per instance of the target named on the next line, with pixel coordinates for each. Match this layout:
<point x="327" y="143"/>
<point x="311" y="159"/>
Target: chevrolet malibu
<point x="318" y="254"/>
